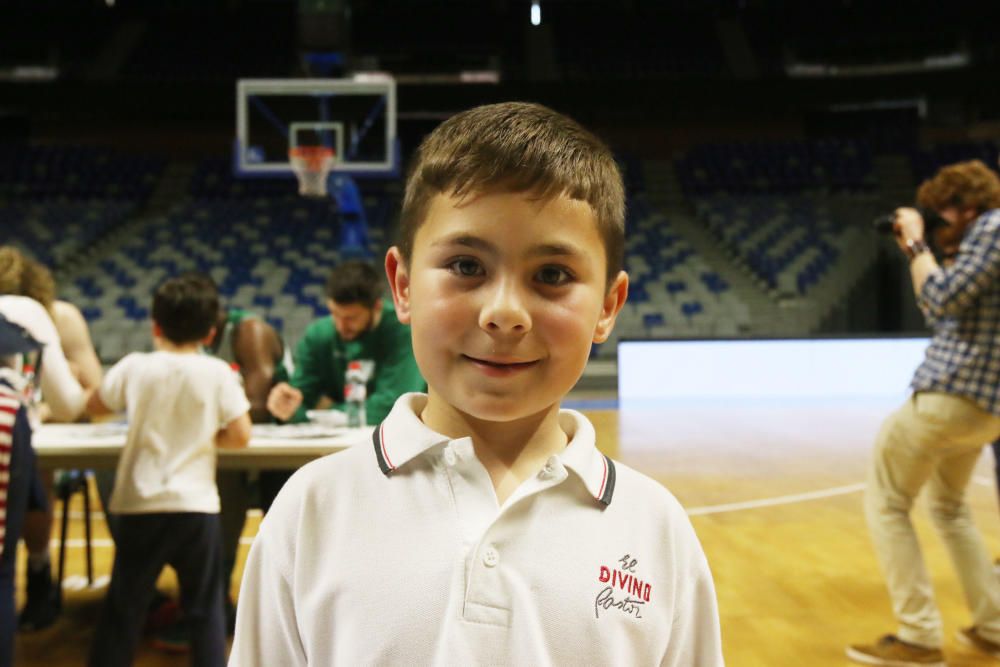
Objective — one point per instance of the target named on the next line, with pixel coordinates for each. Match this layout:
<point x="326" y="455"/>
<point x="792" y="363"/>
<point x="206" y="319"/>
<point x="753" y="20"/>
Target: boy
<point x="181" y="404"/>
<point x="483" y="526"/>
<point x="250" y="345"/>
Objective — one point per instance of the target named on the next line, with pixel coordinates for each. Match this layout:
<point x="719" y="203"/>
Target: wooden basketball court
<point x="774" y="492"/>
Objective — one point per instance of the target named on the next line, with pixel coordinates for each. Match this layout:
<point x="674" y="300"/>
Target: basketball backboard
<point x="356" y="118"/>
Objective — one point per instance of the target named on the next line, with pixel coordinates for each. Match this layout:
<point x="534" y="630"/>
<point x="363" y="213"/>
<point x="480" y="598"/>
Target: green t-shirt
<point x="321" y="359"/>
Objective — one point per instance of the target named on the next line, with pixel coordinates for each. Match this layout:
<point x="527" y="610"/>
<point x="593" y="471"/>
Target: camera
<point x="884" y="224"/>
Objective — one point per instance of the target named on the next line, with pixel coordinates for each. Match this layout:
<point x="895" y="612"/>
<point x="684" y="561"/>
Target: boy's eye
<point x="466" y="267"/>
<point x="553" y="275"/>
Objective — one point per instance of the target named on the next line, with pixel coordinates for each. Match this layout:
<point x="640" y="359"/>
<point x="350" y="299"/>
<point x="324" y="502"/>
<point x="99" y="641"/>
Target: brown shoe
<point x="971" y="637"/>
<point x="892" y="651"/>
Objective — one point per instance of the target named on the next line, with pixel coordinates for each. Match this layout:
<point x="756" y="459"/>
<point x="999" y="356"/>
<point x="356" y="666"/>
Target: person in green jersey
<point x="362" y="327"/>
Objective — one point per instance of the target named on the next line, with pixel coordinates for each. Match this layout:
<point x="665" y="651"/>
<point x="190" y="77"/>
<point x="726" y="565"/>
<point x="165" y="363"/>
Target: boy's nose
<point x="505" y="311"/>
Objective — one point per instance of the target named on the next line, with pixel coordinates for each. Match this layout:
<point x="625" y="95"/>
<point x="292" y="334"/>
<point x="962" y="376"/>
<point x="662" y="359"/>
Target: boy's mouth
<point x="500" y="365"/>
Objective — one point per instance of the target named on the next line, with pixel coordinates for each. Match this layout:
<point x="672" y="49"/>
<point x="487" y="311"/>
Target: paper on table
<point x="294" y="431"/>
<point x="327" y="417"/>
<point x="99" y="430"/>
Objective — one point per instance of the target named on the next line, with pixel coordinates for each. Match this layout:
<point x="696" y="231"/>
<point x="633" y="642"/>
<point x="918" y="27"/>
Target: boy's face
<point x="505" y="295"/>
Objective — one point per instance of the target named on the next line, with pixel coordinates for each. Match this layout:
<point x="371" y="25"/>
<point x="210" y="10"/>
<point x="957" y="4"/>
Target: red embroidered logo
<point x="622" y="581"/>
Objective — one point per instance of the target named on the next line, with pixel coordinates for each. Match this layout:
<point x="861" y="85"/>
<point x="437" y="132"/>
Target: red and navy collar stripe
<point x="381" y="455"/>
<point x="608" y="484"/>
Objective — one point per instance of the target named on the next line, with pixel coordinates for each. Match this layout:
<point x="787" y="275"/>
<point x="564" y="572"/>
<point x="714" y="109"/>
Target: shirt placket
<point x="484" y="526"/>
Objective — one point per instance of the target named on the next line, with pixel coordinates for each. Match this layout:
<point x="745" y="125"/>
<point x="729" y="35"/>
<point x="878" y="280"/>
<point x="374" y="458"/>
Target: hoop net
<point x="312" y="165"/>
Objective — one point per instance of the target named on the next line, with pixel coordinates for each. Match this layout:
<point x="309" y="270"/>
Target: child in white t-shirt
<point x="181" y="405"/>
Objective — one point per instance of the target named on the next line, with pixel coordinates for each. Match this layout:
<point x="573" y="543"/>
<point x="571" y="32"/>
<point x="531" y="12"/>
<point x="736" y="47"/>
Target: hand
<point x="909" y="226"/>
<point x="283" y="401"/>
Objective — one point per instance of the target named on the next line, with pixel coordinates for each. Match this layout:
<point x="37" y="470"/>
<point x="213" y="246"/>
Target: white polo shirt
<point x="398" y="553"/>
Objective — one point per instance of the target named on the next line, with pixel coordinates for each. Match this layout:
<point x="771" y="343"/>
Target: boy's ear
<point x="399" y="281"/>
<point x="614" y="299"/>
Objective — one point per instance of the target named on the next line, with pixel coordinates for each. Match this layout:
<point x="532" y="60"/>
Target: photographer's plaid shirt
<point x="962" y="304"/>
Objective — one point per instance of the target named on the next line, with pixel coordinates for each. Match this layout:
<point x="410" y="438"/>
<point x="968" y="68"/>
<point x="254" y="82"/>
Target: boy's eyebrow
<point x="555" y="249"/>
<point x="541" y="250"/>
<point x="468" y="241"/>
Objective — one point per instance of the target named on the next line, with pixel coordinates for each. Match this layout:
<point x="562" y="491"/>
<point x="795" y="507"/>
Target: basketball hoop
<point x="312" y="165"/>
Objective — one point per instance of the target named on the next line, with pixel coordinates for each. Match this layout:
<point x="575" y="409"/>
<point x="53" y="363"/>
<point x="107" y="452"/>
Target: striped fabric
<point x="962" y="304"/>
<point x="10" y="403"/>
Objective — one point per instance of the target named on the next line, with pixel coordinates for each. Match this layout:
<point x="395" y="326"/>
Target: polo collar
<point x="581" y="455"/>
<point x="403" y="436"/>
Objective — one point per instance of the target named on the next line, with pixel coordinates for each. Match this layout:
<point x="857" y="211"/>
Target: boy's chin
<point x="501" y="410"/>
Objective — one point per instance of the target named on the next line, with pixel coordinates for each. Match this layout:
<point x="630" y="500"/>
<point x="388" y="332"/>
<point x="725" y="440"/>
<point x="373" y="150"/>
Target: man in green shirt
<point x="361" y="327"/>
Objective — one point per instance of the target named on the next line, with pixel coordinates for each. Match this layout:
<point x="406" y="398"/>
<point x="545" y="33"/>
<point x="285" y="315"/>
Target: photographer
<point x="935" y="437"/>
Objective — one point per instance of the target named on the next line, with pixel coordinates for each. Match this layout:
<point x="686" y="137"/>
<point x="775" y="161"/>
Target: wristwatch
<point x="916" y="247"/>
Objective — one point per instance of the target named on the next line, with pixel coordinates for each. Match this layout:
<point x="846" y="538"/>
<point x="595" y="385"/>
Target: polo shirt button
<point x="449" y="457"/>
<point x="547" y="471"/>
<point x="491" y="557"/>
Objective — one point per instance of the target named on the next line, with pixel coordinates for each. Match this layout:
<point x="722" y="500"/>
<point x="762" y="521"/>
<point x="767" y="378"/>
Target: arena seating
<point x="777" y="167"/>
<point x="56" y="232"/>
<point x="268" y="255"/>
<point x="787" y="242"/>
<point x="55" y="201"/>
<point x="672" y="289"/>
<point x="46" y="173"/>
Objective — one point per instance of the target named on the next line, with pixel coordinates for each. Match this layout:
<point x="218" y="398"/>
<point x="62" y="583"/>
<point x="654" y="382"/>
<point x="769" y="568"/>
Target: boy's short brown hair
<point x="186" y="307"/>
<point x="965" y="185"/>
<point x="517" y="147"/>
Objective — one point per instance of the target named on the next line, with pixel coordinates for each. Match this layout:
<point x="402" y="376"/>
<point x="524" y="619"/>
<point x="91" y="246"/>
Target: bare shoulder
<point x="255" y="337"/>
<point x="68" y="320"/>
<point x="256" y="327"/>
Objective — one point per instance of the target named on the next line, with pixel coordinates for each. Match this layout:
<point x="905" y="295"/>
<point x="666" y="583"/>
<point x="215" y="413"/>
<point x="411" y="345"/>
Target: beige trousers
<point x="935" y="440"/>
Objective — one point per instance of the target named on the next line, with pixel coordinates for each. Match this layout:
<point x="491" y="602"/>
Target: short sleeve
<point x="113" y="388"/>
<point x="232" y="398"/>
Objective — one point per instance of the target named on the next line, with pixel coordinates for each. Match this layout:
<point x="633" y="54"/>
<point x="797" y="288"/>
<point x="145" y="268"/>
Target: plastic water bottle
<point x="355" y="393"/>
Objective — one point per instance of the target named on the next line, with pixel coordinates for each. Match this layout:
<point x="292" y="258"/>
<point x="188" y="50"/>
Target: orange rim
<point x="312" y="157"/>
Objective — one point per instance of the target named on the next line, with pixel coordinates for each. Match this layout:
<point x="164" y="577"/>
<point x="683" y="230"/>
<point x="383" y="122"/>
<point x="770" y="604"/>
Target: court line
<point x="799" y="497"/>
<point x="778" y="500"/>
